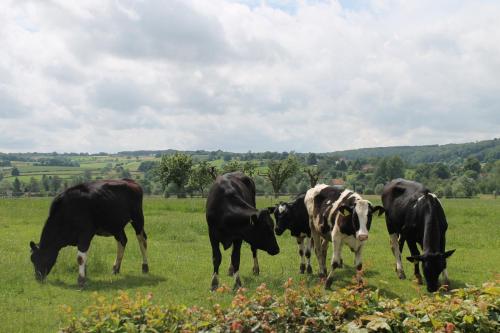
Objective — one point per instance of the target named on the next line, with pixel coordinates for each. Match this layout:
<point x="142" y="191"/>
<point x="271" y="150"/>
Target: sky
<point x="308" y="76"/>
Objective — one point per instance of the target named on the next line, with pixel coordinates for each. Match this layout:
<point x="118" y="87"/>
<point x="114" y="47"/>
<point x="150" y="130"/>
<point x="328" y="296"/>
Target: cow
<point x="82" y="211"/>
<point x="340" y="216"/>
<point x="415" y="215"/>
<point x="293" y="216"/>
<point x="232" y="218"/>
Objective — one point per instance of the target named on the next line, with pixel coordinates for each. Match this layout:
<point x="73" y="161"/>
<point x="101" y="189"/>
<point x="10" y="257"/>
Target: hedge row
<point x="299" y="309"/>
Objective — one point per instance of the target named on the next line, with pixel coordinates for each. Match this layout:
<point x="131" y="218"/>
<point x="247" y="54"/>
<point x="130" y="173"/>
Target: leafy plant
<point x="299" y="309"/>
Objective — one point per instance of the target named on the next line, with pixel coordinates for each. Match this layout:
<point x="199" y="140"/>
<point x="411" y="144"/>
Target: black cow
<point x="293" y="216"/>
<point x="340" y="216"/>
<point x="79" y="213"/>
<point x="232" y="218"/>
<point x="415" y="215"/>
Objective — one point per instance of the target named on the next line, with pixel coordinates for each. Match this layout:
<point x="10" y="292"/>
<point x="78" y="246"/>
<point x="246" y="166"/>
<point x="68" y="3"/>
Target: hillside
<point x="488" y="150"/>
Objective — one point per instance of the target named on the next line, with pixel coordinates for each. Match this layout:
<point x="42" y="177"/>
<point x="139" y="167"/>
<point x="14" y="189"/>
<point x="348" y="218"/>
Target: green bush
<point x="300" y="309"/>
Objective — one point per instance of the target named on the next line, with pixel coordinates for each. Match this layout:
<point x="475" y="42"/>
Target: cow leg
<point x="142" y="239"/>
<point x="121" y="242"/>
<point x="337" y="254"/>
<point x="446" y="279"/>
<point x="81" y="257"/>
<point x="235" y="260"/>
<point x="256" y="269"/>
<point x="317" y="250"/>
<point x="415" y="252"/>
<point x="300" y="243"/>
<point x="396" y="250"/>
<point x="358" y="262"/>
<point x="308" y="254"/>
<point x="216" y="259"/>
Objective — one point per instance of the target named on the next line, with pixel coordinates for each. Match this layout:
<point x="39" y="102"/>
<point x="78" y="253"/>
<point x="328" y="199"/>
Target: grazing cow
<point x="415" y="215"/>
<point x="79" y="213"/>
<point x="232" y="218"/>
<point x="293" y="216"/>
<point x="340" y="216"/>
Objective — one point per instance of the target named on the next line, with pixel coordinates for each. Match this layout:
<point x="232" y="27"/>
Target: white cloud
<point x="247" y="75"/>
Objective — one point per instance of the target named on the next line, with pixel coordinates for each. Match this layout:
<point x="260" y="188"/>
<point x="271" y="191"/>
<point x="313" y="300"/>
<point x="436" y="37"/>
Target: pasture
<point x="181" y="266"/>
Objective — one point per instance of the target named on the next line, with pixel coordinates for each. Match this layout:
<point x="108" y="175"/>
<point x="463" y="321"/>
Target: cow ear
<point x="448" y="253"/>
<point x="33" y="246"/>
<point x="345" y="210"/>
<point x="414" y="259"/>
<point x="380" y="210"/>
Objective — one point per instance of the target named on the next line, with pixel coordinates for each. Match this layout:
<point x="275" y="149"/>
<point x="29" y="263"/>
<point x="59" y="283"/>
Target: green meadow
<point x="181" y="266"/>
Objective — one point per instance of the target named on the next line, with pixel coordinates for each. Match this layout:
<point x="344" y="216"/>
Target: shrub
<point x="300" y="309"/>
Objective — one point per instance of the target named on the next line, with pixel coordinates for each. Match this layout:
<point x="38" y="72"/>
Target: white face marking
<point x="281" y="208"/>
<point x="362" y="207"/>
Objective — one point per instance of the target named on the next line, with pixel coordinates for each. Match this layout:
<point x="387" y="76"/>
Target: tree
<point x="55" y="183"/>
<point x="395" y="168"/>
<point x="200" y="177"/>
<point x="16" y="187"/>
<point x="441" y="171"/>
<point x="175" y="169"/>
<point x="280" y="170"/>
<point x="87" y="175"/>
<point x="232" y="166"/>
<point x="34" y="185"/>
<point x="472" y="163"/>
<point x="249" y="168"/>
<point x="313" y="173"/>
<point x="311" y="159"/>
<point x="45" y="183"/>
<point x="15" y="172"/>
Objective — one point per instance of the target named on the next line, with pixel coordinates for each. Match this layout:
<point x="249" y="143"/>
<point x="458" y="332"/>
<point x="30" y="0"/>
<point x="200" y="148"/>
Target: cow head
<point x="263" y="234"/>
<point x="361" y="217"/>
<point x="43" y="261"/>
<point x="282" y="217"/>
<point x="432" y="264"/>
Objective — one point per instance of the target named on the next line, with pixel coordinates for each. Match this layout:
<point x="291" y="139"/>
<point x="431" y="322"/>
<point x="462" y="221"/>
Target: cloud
<point x="247" y="75"/>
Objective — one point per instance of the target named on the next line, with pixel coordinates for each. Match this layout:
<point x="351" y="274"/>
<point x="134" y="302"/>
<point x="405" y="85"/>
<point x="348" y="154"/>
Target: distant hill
<point x="487" y="150"/>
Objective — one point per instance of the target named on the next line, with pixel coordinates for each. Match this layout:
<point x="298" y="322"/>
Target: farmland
<point x="180" y="260"/>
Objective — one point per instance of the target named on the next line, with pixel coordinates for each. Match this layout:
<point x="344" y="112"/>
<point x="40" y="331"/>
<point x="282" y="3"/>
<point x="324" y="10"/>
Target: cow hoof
<point x="81" y="281"/>
<point x="328" y="283"/>
<point x="145" y="268"/>
<point x="230" y="271"/>
<point x="116" y="270"/>
<point x="215" y="283"/>
<point x="237" y="285"/>
<point x="401" y="275"/>
<point x="256" y="271"/>
<point x="321" y="275"/>
<point x="302" y="268"/>
<point x="309" y="269"/>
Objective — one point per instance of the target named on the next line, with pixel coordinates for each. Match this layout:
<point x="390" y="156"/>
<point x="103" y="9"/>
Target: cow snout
<point x="362" y="237"/>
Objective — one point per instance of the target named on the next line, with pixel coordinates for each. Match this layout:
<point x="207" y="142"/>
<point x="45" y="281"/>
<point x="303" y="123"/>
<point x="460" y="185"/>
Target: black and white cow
<point x="232" y="218"/>
<point x="79" y="213"/>
<point x="340" y="216"/>
<point x="415" y="215"/>
<point x="293" y="216"/>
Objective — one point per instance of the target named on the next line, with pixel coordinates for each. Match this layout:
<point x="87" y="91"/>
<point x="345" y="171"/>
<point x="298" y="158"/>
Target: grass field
<point x="180" y="260"/>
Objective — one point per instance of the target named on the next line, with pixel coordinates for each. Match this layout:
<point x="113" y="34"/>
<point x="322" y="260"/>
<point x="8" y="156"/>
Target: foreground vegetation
<point x="181" y="265"/>
<point x="302" y="309"/>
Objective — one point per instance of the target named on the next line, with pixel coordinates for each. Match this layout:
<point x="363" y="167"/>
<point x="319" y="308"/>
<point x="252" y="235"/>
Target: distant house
<point x="337" y="182"/>
<point x="368" y="168"/>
